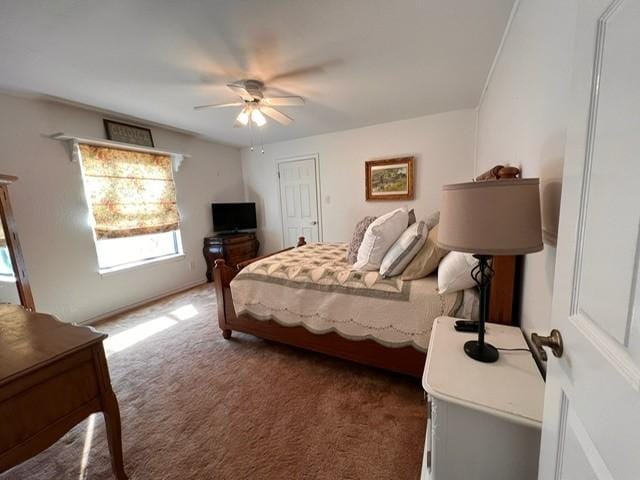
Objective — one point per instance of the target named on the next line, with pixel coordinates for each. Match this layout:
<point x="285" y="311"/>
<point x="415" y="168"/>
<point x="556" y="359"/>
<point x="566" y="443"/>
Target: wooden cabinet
<point x="233" y="248"/>
<point x="484" y="419"/>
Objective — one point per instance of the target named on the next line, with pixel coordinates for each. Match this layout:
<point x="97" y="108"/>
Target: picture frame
<point x="390" y="179"/>
<point x="126" y="133"/>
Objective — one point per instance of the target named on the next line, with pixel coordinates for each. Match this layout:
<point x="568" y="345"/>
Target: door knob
<point x="553" y="341"/>
<point x="314" y="223"/>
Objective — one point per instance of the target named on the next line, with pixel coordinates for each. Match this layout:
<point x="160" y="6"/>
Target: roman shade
<point x="3" y="239"/>
<point x="129" y="192"/>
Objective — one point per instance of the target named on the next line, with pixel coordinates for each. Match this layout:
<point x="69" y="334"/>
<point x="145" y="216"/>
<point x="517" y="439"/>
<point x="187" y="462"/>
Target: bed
<point x="311" y="298"/>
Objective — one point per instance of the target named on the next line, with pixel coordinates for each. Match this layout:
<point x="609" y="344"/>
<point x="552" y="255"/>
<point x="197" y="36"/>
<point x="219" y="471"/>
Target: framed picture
<point x="390" y="179"/>
<point x="122" y="132"/>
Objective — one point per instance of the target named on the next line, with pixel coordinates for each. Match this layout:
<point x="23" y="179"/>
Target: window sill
<point x="143" y="264"/>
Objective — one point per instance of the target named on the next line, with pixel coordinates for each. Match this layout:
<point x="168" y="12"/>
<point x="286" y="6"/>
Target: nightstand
<point x="484" y="419"/>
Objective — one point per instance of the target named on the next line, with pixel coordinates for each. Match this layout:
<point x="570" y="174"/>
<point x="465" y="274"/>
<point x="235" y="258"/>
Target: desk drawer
<point x="28" y="411"/>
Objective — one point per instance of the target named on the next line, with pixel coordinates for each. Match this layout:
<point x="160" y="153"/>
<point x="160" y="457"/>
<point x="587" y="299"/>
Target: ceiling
<point x="355" y="62"/>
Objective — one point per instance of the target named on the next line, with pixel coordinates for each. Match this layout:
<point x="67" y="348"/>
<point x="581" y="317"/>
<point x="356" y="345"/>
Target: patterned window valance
<point x="129" y="193"/>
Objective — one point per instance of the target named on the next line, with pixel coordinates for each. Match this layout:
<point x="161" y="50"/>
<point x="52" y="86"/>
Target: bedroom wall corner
<point x="522" y="119"/>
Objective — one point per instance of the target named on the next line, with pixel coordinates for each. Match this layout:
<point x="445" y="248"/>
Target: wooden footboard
<point x="222" y="276"/>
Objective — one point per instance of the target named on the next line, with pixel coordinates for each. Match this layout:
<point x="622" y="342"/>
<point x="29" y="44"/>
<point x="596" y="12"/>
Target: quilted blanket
<point x="315" y="287"/>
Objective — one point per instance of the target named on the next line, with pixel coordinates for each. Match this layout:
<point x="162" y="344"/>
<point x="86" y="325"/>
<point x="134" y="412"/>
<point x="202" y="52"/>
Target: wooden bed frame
<point x="406" y="360"/>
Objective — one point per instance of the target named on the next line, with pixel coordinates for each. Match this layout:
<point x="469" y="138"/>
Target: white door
<point x="591" y="427"/>
<point x="299" y="200"/>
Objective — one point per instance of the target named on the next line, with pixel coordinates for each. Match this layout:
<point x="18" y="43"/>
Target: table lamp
<point x="500" y="217"/>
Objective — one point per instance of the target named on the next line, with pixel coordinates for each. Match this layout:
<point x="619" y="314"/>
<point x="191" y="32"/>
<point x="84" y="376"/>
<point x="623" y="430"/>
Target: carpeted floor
<point x="196" y="406"/>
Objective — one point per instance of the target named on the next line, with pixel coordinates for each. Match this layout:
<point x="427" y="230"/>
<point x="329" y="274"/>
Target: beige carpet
<point x="196" y="406"/>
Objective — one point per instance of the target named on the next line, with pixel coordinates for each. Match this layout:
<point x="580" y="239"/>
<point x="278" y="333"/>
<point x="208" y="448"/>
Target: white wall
<point x="522" y="120"/>
<point x="442" y="143"/>
<point x="52" y="215"/>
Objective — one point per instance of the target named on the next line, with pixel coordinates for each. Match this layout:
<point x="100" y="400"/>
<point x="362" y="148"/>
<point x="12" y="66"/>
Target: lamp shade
<point x="499" y="217"/>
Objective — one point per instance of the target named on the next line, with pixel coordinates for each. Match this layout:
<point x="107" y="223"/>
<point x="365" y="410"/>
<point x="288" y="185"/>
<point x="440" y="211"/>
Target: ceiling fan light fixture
<point x="258" y="117"/>
<point x="243" y="116"/>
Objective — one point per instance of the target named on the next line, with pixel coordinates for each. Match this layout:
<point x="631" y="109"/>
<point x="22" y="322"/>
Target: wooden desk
<point x="52" y="376"/>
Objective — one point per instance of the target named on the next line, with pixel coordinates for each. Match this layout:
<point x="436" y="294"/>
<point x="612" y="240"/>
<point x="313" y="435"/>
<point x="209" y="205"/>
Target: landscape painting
<point x="390" y="179"/>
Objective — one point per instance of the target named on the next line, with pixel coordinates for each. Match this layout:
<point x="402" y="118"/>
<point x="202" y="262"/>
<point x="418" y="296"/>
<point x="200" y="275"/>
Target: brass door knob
<point x="553" y="341"/>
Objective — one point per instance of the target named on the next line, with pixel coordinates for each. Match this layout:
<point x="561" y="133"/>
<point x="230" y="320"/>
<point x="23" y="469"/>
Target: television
<point x="233" y="217"/>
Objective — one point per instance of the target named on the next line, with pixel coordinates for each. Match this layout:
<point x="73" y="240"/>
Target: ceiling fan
<point x="256" y="105"/>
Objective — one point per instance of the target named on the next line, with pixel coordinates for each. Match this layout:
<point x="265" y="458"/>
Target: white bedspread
<point x="314" y="287"/>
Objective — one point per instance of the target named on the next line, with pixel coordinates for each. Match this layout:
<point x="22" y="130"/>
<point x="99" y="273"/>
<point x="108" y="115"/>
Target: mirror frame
<point x="13" y="244"/>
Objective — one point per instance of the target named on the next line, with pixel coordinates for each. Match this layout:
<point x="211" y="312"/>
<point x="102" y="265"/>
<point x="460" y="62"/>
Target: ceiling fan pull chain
<point x="251" y="134"/>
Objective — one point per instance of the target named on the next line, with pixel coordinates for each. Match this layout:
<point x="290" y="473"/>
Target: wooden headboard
<point x="504" y="284"/>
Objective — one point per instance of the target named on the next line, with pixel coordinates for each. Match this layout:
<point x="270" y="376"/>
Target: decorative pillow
<point x="403" y="251"/>
<point x="379" y="237"/>
<point x="356" y="240"/>
<point x="412" y="218"/>
<point x="432" y="220"/>
<point x="454" y="272"/>
<point x="427" y="259"/>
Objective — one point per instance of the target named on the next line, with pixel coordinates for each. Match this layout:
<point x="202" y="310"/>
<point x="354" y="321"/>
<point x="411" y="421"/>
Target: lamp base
<point x="484" y="352"/>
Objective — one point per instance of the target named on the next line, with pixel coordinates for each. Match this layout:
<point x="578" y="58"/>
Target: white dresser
<point x="484" y="419"/>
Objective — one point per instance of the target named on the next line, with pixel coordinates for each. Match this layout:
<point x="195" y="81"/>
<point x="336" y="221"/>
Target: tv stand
<point x="233" y="247"/>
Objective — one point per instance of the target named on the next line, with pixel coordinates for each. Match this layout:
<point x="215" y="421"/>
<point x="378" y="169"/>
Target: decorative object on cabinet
<point x="232" y="248"/>
<point x="502" y="403"/>
<point x="487" y="219"/>
<point x="390" y="179"/>
<point x="123" y="132"/>
<point x="53" y="375"/>
<point x="11" y="253"/>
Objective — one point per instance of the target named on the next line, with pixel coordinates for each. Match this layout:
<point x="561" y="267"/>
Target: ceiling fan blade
<point x="219" y="105"/>
<point x="240" y="90"/>
<point x="318" y="68"/>
<point x="277" y="115"/>
<point x="283" y="101"/>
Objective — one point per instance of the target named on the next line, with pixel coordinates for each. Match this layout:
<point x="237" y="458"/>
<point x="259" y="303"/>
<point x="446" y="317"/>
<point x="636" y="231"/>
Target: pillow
<point x="432" y="220"/>
<point x="412" y="218"/>
<point x="454" y="272"/>
<point x="427" y="259"/>
<point x="379" y="237"/>
<point x="403" y="251"/>
<point x="356" y="240"/>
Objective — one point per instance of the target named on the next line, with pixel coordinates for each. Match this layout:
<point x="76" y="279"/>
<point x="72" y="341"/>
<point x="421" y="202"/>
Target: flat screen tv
<point x="233" y="217"/>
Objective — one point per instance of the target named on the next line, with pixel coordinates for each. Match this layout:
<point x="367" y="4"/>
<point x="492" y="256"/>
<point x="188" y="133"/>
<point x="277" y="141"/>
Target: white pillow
<point x="403" y="251"/>
<point x="379" y="237"/>
<point x="454" y="272"/>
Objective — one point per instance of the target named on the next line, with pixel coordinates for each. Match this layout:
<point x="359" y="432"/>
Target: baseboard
<point x="142" y="303"/>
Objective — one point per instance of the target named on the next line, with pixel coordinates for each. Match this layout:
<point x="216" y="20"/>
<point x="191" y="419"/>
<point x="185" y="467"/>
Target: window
<point x="132" y="199"/>
<point x="6" y="267"/>
<point x="117" y="252"/>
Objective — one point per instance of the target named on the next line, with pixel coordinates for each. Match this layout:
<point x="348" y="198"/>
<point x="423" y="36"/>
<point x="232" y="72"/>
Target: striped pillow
<point x="403" y="250"/>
